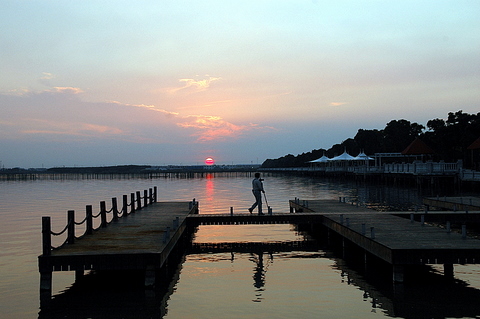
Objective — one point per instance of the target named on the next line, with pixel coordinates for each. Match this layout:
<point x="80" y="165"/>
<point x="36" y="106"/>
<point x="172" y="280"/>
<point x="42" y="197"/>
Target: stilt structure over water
<point x="399" y="238"/>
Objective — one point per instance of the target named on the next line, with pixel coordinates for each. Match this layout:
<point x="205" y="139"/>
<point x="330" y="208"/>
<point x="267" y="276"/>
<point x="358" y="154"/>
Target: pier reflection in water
<point x="285" y="285"/>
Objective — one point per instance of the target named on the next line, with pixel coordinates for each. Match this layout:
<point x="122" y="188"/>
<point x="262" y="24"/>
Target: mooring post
<point x="46" y="282"/>
<point x="139" y="200"/>
<point x="71" y="227"/>
<point x="398" y="273"/>
<point x="103" y="214"/>
<point x="364" y="231"/>
<point x="150" y="195"/>
<point x="231" y="211"/>
<point x="372" y="232"/>
<point x="449" y="228"/>
<point x="114" y="208"/>
<point x="46" y="236"/>
<point x="155" y="194"/>
<point x="89" y="219"/>
<point x="464" y="231"/>
<point x="145" y="198"/>
<point x="412" y="219"/>
<point x="422" y="219"/>
<point x="448" y="270"/>
<point x="125" y="205"/>
<point x="132" y="202"/>
<point x="149" y="276"/>
<point x="341" y="219"/>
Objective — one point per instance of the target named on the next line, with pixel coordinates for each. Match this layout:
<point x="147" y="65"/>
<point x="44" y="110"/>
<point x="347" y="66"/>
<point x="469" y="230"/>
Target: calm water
<point x="282" y="285"/>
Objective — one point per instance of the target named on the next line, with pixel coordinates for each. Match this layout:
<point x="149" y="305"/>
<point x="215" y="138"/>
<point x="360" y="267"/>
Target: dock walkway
<point x="140" y="241"/>
<point x="397" y="240"/>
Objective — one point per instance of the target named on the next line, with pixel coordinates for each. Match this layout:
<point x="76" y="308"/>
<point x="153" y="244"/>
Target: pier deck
<point x="398" y="241"/>
<point x="468" y="203"/>
<point x="140" y="241"/>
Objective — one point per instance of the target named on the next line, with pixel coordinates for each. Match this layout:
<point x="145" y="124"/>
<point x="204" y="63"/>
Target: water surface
<point x="281" y="285"/>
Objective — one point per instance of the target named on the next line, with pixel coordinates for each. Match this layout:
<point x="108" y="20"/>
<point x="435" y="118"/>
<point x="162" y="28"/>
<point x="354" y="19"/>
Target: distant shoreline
<point x="131" y="169"/>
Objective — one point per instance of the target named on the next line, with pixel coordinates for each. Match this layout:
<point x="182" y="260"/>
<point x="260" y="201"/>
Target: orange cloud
<point x="210" y="128"/>
<point x="79" y="129"/>
<point x="195" y="85"/>
<point x="67" y="89"/>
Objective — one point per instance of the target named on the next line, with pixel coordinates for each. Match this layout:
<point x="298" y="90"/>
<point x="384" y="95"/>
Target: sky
<point x="115" y="82"/>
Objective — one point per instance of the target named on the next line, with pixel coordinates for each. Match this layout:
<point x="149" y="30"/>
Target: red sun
<point x="209" y="161"/>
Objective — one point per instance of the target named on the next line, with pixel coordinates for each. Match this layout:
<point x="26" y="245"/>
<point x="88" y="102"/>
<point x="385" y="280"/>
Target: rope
<point x="60" y="233"/>
<point x="80" y="223"/>
<point x="60" y="246"/>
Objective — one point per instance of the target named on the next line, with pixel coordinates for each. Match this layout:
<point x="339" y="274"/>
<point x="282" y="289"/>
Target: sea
<point x="316" y="283"/>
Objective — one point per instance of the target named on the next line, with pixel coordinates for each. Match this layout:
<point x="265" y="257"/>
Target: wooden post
<point x="125" y="205"/>
<point x="89" y="220"/>
<point x="46" y="236"/>
<point x="71" y="227"/>
<point x="155" y="198"/>
<point x="398" y="273"/>
<point x="150" y="195"/>
<point x="132" y="202"/>
<point x="103" y="214"/>
<point x="231" y="211"/>
<point x="448" y="271"/>
<point x="145" y="198"/>
<point x="139" y="201"/>
<point x="114" y="208"/>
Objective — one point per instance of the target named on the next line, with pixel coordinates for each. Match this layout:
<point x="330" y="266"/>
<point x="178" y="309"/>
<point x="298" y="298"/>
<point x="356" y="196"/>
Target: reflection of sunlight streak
<point x="209" y="187"/>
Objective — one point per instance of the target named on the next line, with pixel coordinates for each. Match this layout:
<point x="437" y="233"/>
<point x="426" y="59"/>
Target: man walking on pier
<point x="257" y="189"/>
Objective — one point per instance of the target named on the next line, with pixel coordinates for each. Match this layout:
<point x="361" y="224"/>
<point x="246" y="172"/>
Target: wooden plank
<point x="397" y="240"/>
<point x="133" y="242"/>
<point x="468" y="203"/>
<point x="141" y="232"/>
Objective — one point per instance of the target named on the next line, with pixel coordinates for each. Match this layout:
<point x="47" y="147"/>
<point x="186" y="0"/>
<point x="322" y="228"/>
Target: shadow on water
<point x="427" y="294"/>
<point x="113" y="295"/>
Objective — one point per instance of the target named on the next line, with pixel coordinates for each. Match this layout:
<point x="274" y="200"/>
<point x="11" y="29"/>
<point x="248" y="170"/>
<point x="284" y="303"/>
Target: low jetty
<point x="140" y="236"/>
<point x="398" y="238"/>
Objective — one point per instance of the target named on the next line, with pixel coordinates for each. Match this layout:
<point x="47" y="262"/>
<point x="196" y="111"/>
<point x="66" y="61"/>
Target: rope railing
<point x="149" y="197"/>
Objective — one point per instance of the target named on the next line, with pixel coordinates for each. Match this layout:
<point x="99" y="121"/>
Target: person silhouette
<point x="257" y="189"/>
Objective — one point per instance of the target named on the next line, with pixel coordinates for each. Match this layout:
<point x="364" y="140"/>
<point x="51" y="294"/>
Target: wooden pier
<point x="397" y="240"/>
<point x="468" y="203"/>
<point x="139" y="237"/>
<point x="143" y="233"/>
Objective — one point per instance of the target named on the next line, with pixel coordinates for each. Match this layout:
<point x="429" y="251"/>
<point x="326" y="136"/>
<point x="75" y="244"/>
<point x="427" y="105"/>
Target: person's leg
<point x="258" y="197"/>
<point x="254" y="204"/>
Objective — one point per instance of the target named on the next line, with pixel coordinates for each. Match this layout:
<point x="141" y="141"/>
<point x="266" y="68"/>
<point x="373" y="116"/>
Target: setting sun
<point x="209" y="161"/>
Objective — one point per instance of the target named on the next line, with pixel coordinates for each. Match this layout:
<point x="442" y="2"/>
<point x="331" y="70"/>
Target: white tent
<point x="363" y="157"/>
<point x="344" y="157"/>
<point x="322" y="159"/>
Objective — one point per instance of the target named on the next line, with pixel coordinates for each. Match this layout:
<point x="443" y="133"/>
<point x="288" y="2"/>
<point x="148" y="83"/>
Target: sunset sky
<point x="112" y="82"/>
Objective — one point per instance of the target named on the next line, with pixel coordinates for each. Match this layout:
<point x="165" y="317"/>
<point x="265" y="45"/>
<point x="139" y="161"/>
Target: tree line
<point x="449" y="139"/>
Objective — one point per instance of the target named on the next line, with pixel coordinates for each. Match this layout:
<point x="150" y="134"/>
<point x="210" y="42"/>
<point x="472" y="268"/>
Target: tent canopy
<point x="363" y="157"/>
<point x="344" y="157"/>
<point x="322" y="159"/>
